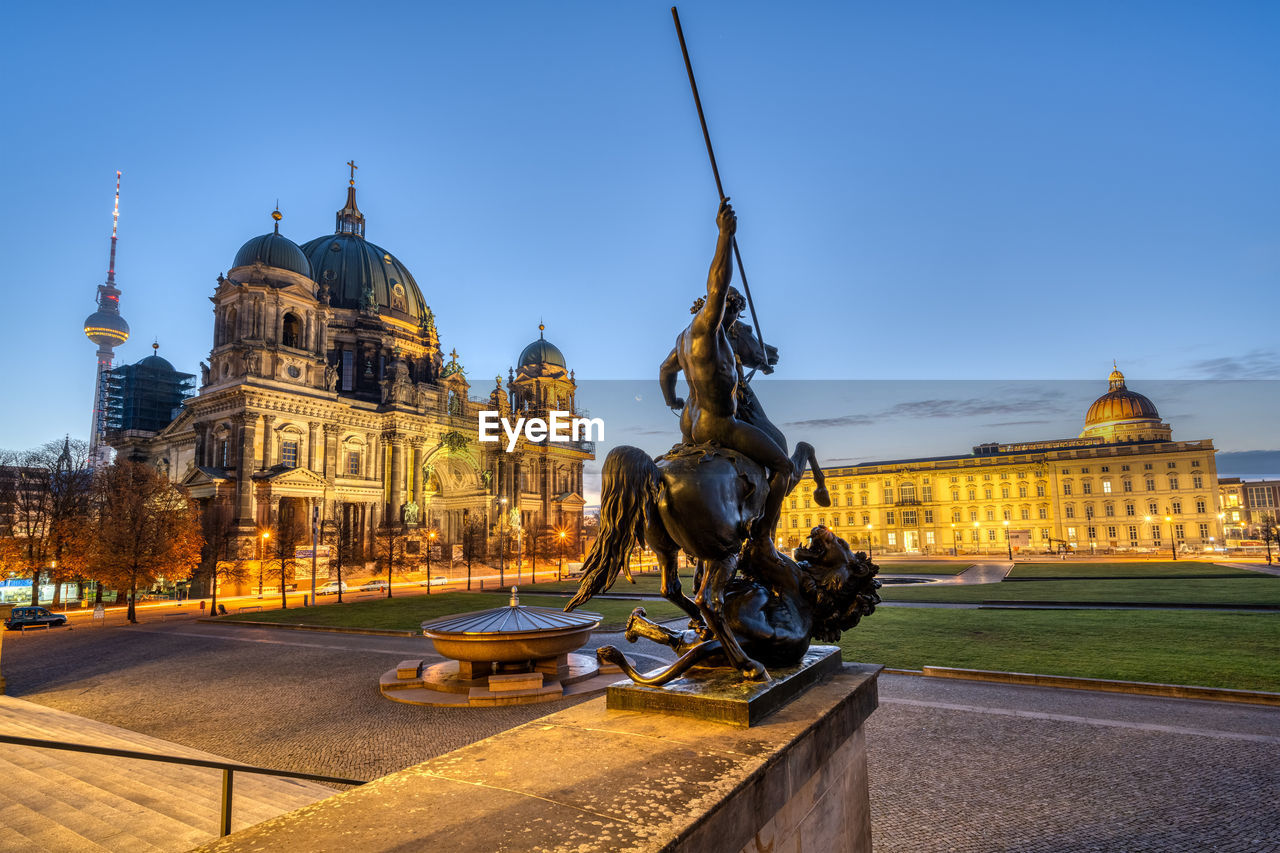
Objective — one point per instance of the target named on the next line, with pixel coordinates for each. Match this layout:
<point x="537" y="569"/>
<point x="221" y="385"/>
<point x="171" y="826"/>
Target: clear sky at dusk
<point x="926" y="190"/>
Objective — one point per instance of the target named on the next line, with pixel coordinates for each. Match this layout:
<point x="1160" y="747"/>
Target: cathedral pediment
<point x="201" y="475"/>
<point x="569" y="499"/>
<point x="282" y="476"/>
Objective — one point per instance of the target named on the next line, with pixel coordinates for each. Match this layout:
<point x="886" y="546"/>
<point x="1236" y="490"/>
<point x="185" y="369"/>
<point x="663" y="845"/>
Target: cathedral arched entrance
<point x="454" y="492"/>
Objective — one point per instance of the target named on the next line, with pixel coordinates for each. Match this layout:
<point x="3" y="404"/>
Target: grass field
<point x="917" y="568"/>
<point x="1234" y="650"/>
<point x="1253" y="590"/>
<point x="1065" y="569"/>
<point x="408" y="613"/>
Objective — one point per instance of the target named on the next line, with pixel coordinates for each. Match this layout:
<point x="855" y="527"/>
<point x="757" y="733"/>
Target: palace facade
<point x="1123" y="485"/>
<point x="326" y="391"/>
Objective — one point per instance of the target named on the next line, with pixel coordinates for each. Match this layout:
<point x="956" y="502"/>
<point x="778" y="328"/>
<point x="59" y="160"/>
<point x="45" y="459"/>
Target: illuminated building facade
<point x="327" y="390"/>
<point x="1123" y="485"/>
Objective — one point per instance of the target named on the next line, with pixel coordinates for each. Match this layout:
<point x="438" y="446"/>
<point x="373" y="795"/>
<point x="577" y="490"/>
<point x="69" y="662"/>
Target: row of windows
<point x="1086" y="486"/>
<point x="992" y="533"/>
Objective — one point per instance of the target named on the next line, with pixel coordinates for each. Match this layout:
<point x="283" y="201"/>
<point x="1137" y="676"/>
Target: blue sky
<point x="926" y="191"/>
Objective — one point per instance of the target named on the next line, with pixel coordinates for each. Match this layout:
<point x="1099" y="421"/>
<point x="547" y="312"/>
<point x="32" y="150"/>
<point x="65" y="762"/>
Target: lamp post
<point x="560" y="569"/>
<point x="431" y="540"/>
<point x="262" y="553"/>
<point x="1007" y="541"/>
<point x="955" y="545"/>
<point x="868" y="541"/>
<point x="977" y="540"/>
<point x="315" y="544"/>
<point x="1173" y="545"/>
<point x="1222" y="531"/>
<point x="502" y="547"/>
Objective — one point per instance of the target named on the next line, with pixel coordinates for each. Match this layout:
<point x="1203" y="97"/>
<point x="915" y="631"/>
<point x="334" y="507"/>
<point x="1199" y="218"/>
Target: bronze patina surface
<point x="719" y="695"/>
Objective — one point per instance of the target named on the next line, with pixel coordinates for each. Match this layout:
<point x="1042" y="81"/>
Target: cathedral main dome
<point x="360" y="274"/>
<point x="1121" y="414"/>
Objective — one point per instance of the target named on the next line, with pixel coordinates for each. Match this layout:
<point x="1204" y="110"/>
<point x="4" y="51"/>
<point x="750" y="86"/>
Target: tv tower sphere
<point x="106" y="329"/>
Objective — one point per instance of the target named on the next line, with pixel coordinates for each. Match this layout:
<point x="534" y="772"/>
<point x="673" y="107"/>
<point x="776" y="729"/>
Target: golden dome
<point x="1120" y="411"/>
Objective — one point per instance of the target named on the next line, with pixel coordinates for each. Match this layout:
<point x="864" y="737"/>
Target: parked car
<point x="25" y="617"/>
<point x="373" y="586"/>
<point x="331" y="588"/>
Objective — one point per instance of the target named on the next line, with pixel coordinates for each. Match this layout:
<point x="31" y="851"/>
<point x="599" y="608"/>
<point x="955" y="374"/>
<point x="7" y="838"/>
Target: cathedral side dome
<point x="1123" y="415"/>
<point x="542" y="352"/>
<point x="273" y="250"/>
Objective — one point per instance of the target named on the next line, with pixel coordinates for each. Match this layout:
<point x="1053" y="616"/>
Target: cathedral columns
<point x="268" y="442"/>
<point x="312" y="427"/>
<point x="418" y="477"/>
<point x="245" y="423"/>
<point x="331" y="450"/>
<point x="397" y="479"/>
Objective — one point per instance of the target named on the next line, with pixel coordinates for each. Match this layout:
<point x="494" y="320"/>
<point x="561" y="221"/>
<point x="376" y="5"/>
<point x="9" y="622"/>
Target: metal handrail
<point x="228" y="768"/>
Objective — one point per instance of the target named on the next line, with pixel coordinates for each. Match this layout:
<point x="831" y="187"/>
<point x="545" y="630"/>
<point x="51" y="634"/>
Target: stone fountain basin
<point x="512" y="639"/>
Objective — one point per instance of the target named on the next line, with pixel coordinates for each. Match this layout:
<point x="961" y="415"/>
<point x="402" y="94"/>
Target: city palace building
<point x="1123" y="485"/>
<point x="327" y="390"/>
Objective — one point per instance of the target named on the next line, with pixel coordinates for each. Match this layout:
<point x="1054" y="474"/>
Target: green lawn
<point x="1066" y="569"/>
<point x="1234" y="650"/>
<point x="918" y="568"/>
<point x="1253" y="590"/>
<point x="409" y="612"/>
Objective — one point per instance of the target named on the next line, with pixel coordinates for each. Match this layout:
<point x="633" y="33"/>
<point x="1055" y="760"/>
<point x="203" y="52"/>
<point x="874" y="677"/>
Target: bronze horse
<point x="702" y="499"/>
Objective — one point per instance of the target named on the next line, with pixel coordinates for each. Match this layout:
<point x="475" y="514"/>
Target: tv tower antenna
<point x="106" y="328"/>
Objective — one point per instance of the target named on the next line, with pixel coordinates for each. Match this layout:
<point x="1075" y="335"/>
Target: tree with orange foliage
<point x="144" y="529"/>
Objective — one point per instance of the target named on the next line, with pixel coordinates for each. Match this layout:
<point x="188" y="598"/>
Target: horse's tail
<point x="696" y="654"/>
<point x="629" y="485"/>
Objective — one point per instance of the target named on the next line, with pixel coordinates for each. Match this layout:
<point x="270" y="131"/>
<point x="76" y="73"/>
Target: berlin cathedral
<point x="327" y="396"/>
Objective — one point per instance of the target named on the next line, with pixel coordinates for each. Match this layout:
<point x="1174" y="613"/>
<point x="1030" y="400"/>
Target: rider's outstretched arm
<point x="712" y="312"/>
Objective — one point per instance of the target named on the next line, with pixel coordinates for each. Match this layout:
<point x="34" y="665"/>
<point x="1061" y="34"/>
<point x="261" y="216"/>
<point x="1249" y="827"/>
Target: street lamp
<point x="868" y="541"/>
<point x="977" y="540"/>
<point x="1223" y="530"/>
<point x="1173" y="549"/>
<point x="502" y="548"/>
<point x="262" y="553"/>
<point x="560" y="569"/>
<point x="431" y="540"/>
<point x="955" y="546"/>
<point x="1007" y="541"/>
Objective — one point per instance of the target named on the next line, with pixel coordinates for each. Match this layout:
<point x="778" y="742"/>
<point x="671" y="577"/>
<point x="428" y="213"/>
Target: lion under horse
<point x="702" y="499"/>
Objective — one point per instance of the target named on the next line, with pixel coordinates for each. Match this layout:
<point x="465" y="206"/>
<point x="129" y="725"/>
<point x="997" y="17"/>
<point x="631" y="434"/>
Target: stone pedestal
<point x="590" y="779"/>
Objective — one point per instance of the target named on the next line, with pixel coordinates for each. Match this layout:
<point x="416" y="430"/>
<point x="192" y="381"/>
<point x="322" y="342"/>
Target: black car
<point x="25" y="617"/>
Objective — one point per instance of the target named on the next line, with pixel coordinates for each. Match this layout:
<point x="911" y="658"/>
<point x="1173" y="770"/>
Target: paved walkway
<point x="69" y="801"/>
<point x="1254" y="567"/>
<point x="955" y="766"/>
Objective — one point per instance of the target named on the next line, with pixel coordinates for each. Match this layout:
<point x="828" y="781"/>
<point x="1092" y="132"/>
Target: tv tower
<point x="106" y="328"/>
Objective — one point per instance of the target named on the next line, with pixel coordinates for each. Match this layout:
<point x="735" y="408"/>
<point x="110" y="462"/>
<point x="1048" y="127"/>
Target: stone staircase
<point x="57" y="800"/>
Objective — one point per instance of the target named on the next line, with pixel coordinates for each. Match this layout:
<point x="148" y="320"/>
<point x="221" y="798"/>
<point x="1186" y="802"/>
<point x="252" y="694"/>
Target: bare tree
<point x="48" y="493"/>
<point x="144" y="528"/>
<point x="391" y="554"/>
<point x="291" y="531"/>
<point x="340" y="535"/>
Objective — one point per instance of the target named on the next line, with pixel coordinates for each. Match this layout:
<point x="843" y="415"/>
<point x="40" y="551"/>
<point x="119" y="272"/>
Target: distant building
<point x="1123" y="485"/>
<point x="145" y="397"/>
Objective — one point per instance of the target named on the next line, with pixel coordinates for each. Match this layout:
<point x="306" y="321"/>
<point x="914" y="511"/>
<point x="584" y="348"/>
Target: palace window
<point x="1044" y="533"/>
<point x="973" y="515"/>
<point x="808" y="522"/>
<point x="1105" y="468"/>
<point x="1173" y="464"/>
<point x="1177" y="532"/>
<point x="1039" y="490"/>
<point x="969" y="478"/>
<point x="1130" y="509"/>
<point x="1204" y="531"/>
<point x="1086" y="487"/>
<point x="1151" y="508"/>
<point x="926" y="493"/>
<point x="955" y="479"/>
<point x="991" y="535"/>
<point x="986" y="476"/>
<point x="1124" y="467"/>
<point x="1110" y="510"/>
<point x="795" y="522"/>
<point x="866" y="519"/>
<point x="793" y="503"/>
<point x="1146" y="466"/>
<point x="955" y="494"/>
<point x="1066" y="488"/>
<point x="1071" y="511"/>
<point x="907" y="491"/>
<point x="1004" y="492"/>
<point x="1173" y="482"/>
<point x="1133" y="533"/>
<point x="888" y="516"/>
<point x="986" y="493"/>
<point x="1093" y="532"/>
<point x="888" y="496"/>
<point x="1088" y="511"/>
<point x="1022" y="490"/>
<point x="1128" y="485"/>
<point x="955" y="515"/>
<point x="1177" y="507"/>
<point x="1106" y="487"/>
<point x="991" y="515"/>
<point x="1200" y="507"/>
<point x="822" y="521"/>
<point x="928" y="516"/>
<point x="1006" y="514"/>
<point x="289" y="454"/>
<point x="353" y="466"/>
<point x="1111" y="532"/>
<point x="849" y="519"/>
<point x="1197" y="482"/>
<point x="1084" y="470"/>
<point x="928" y="537"/>
<point x="806" y="503"/>
<point x="908" y="518"/>
<point x="1151" y="484"/>
<point x="973" y="494"/>
<point x="1071" y="533"/>
<point x="1044" y="512"/>
<point x="348" y="370"/>
<point x="1025" y="513"/>
<point x="864" y="498"/>
<point x="975" y="536"/>
<point x="848" y="500"/>
<point x="891" y="538"/>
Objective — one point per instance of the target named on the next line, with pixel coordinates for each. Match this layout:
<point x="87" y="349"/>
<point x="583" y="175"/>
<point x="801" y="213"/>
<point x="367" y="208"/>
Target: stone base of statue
<point x="590" y="779"/>
<point x="719" y="694"/>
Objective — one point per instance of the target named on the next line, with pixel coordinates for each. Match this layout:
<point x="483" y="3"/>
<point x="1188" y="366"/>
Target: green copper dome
<point x="542" y="351"/>
<point x="273" y="250"/>
<point x="352" y="267"/>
